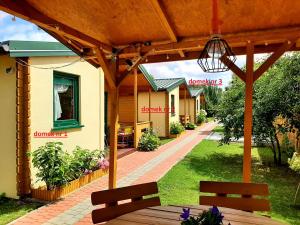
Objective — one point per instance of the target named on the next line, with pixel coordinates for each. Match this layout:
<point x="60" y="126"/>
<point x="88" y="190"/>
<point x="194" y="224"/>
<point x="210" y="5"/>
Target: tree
<point x="276" y="93"/>
<point x="212" y="96"/>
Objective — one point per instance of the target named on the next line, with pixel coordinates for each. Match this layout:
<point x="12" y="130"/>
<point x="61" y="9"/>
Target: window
<point x="65" y="101"/>
<point x="197" y="105"/>
<point x="172" y="105"/>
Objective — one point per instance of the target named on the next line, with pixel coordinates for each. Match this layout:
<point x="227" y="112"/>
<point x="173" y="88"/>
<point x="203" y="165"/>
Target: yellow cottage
<point x="64" y="96"/>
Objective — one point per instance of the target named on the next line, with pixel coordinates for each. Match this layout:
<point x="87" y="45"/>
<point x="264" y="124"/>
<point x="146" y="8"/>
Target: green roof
<point x="195" y="92"/>
<point x="167" y="84"/>
<point x="35" y="48"/>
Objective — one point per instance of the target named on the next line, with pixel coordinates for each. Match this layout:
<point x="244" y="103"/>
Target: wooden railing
<point x="140" y="128"/>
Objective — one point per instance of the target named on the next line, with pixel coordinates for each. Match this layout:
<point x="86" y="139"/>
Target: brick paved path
<point x="138" y="167"/>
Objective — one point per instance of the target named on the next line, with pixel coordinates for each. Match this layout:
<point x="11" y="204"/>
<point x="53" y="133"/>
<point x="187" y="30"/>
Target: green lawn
<point x="219" y="129"/>
<point x="209" y="161"/>
<point x="12" y="209"/>
<point x="165" y="140"/>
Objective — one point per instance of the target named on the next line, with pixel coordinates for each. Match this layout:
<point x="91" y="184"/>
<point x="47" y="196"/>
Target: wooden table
<point x="167" y="215"/>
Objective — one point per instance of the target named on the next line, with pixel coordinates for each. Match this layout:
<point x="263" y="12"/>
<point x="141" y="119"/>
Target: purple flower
<point x="186" y="214"/>
<point x="215" y="210"/>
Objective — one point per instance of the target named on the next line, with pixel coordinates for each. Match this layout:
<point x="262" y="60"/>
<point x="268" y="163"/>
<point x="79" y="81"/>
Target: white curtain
<point x="58" y="88"/>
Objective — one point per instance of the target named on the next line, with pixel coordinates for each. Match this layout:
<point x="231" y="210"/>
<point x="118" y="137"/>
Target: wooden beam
<point x="135" y="109"/>
<point x="135" y="64"/>
<point x="273" y="58"/>
<point x="162" y="15"/>
<point x="234" y="68"/>
<point x="234" y="39"/>
<point x="25" y="11"/>
<point x="248" y="113"/>
<point x="108" y="74"/>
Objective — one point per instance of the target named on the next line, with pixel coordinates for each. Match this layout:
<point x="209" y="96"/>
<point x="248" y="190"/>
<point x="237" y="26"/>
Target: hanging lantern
<point x="210" y="59"/>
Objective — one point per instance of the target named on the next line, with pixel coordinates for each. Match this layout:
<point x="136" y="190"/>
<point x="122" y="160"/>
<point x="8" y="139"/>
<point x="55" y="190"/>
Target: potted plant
<point x="201" y="116"/>
<point x="190" y="126"/>
<point x="63" y="172"/>
<point x="149" y="141"/>
<point x="176" y="129"/>
<point x="211" y="217"/>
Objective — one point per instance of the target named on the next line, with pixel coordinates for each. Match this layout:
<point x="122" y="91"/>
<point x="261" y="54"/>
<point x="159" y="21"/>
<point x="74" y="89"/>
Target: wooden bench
<point x="111" y="198"/>
<point x="245" y="199"/>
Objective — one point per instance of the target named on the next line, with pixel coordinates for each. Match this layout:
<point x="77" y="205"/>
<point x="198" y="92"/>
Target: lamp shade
<point x="210" y="59"/>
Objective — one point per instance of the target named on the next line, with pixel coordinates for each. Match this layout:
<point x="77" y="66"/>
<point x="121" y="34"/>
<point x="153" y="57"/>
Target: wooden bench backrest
<point x="245" y="202"/>
<point x="112" y="197"/>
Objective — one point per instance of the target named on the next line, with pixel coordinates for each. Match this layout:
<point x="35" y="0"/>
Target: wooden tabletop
<point x="167" y="215"/>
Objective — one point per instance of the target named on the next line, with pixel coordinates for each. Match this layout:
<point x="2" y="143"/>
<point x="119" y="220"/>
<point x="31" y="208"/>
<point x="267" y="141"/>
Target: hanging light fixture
<point x="210" y="59"/>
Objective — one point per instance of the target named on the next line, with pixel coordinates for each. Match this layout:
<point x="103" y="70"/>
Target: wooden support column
<point x="149" y="104"/>
<point x="184" y="106"/>
<point x="248" y="113"/>
<point x="135" y="108"/>
<point x="23" y="129"/>
<point x="113" y="136"/>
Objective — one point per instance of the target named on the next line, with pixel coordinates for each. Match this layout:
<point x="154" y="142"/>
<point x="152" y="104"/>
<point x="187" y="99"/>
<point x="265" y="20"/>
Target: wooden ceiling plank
<point x="273" y="58"/>
<point x="234" y="68"/>
<point x="161" y="12"/>
<point x="25" y="11"/>
<point x="108" y="73"/>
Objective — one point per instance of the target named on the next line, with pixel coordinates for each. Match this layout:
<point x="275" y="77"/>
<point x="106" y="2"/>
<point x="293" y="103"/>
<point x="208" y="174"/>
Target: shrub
<point x="52" y="164"/>
<point x="294" y="162"/>
<point x="201" y="116"/>
<point x="176" y="128"/>
<point x="83" y="161"/>
<point x="149" y="141"/>
<point x="57" y="167"/>
<point x="190" y="126"/>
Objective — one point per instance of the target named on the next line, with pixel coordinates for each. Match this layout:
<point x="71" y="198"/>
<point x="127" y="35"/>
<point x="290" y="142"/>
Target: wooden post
<point x="135" y="107"/>
<point x="149" y="104"/>
<point x="113" y="151"/>
<point x="248" y="113"/>
<point x="184" y="106"/>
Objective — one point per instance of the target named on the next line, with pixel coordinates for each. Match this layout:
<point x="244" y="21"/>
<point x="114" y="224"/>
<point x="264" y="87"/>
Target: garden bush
<point x="149" y="141"/>
<point x="190" y="126"/>
<point x="294" y="162"/>
<point x="56" y="167"/>
<point x="201" y="116"/>
<point x="176" y="128"/>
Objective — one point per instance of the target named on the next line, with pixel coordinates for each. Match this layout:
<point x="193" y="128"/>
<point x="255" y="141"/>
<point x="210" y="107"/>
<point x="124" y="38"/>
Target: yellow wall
<point x="143" y="101"/>
<point x="8" y="128"/>
<point x="158" y="119"/>
<point x="91" y="106"/>
<point x="126" y="108"/>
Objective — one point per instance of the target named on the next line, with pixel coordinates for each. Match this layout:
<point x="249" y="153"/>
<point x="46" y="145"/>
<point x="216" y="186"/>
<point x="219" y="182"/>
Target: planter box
<point x="176" y="135"/>
<point x="51" y="195"/>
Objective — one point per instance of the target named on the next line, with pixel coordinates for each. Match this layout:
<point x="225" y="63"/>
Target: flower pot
<point x="50" y="195"/>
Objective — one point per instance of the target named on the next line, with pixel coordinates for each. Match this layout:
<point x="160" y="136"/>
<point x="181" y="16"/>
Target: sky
<point x="23" y="30"/>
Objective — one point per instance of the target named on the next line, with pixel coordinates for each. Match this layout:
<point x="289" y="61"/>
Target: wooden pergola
<point x="119" y="35"/>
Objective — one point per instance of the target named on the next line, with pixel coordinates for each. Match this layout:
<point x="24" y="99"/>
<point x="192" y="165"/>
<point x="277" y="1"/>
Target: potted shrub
<point x="149" y="141"/>
<point x="201" y="116"/>
<point x="176" y="129"/>
<point x="190" y="126"/>
<point x="63" y="172"/>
